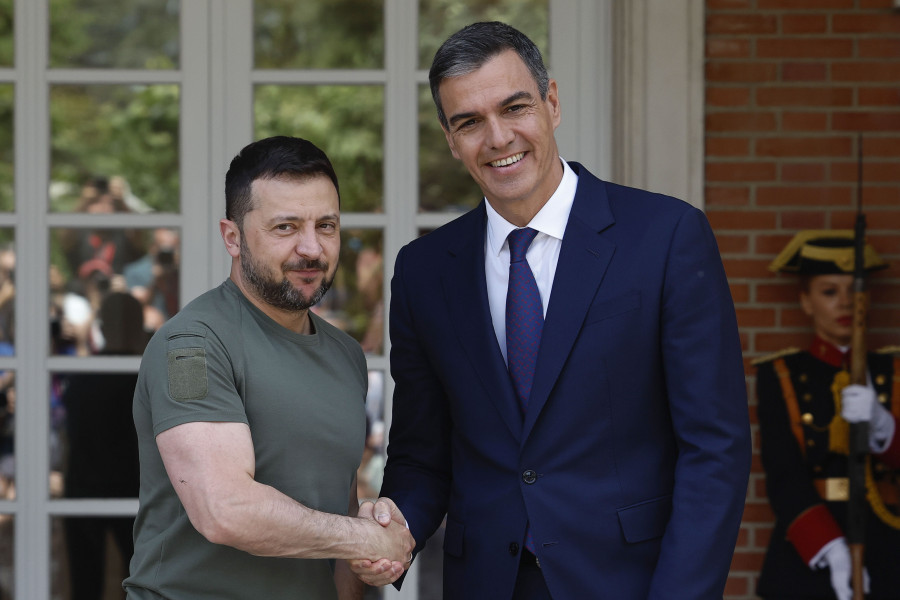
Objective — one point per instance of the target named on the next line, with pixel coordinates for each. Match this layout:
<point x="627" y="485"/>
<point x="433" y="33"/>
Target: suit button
<point x="513" y="548"/>
<point x="529" y="476"/>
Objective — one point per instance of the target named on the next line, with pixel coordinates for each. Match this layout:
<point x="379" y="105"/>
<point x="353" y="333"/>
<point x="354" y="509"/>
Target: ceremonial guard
<point x="804" y="407"/>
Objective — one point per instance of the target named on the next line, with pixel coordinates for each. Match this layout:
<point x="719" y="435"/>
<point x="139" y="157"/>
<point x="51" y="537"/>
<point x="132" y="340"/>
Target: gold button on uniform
<point x="807" y="418"/>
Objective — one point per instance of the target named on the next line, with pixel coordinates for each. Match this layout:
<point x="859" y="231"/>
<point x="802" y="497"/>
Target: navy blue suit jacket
<point x="637" y="427"/>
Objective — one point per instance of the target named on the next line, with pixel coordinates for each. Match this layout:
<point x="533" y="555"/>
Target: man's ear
<point x="231" y="235"/>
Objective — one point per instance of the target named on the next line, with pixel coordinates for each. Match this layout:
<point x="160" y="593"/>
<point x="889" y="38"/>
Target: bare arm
<point x="212" y="468"/>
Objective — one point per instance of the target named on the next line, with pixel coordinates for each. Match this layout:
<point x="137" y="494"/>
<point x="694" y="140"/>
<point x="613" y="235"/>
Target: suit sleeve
<point x="417" y="475"/>
<point x="704" y="378"/>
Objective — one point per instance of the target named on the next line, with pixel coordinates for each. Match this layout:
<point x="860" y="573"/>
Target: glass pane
<point x="7" y="437"/>
<point x="110" y="289"/>
<point x="371" y="469"/>
<point x="126" y="135"/>
<point x="7" y="202"/>
<point x="439" y="19"/>
<point x="90" y="415"/>
<point x="7" y="44"/>
<point x="122" y="34"/>
<point x="444" y="182"/>
<point x="7" y="543"/>
<point x="7" y="293"/>
<point x="347" y="122"/>
<point x="89" y="557"/>
<point x="355" y="302"/>
<point x="332" y="34"/>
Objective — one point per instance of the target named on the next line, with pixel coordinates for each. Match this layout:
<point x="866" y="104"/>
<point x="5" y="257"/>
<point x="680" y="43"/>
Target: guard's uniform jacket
<point x="804" y="444"/>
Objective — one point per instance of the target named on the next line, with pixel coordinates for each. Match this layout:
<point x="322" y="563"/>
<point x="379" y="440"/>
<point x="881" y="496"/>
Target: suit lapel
<point x="465" y="291"/>
<point x="583" y="260"/>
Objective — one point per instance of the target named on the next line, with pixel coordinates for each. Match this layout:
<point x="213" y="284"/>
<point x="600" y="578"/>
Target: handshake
<point x="387" y="537"/>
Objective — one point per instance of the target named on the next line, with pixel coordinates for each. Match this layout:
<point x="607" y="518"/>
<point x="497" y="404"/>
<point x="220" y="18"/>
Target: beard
<point x="282" y="294"/>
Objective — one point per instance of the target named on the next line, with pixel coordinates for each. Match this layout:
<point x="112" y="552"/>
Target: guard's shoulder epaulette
<point x="774" y="355"/>
<point x="889" y="350"/>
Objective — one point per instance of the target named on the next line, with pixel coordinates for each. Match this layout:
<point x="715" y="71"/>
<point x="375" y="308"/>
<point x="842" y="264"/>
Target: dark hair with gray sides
<point x="279" y="157"/>
<point x="471" y="47"/>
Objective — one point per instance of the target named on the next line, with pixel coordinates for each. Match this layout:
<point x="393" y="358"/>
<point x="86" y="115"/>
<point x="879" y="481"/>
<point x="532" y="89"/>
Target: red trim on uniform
<point x="829" y="353"/>
<point x="813" y="529"/>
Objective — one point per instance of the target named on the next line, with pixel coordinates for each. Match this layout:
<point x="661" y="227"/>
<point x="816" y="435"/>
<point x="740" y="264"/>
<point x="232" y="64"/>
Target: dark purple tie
<point x="524" y="315"/>
<point x="524" y="321"/>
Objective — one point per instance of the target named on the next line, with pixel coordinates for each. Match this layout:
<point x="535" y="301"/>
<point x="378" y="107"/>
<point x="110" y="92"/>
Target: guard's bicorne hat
<point x="824" y="252"/>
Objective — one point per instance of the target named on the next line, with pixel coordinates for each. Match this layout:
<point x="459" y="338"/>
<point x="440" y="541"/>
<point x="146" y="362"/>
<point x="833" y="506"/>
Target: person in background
<point x="569" y="381"/>
<point x="250" y="410"/>
<point x="805" y="405"/>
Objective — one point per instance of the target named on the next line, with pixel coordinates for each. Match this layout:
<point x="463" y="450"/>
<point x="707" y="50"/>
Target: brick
<point x="763" y="535"/>
<point x="872" y="172"/>
<point x="740" y="172"/>
<point x="740" y="292"/>
<point x="744" y="267"/>
<point x="727" y="71"/>
<point x="726" y="196"/>
<point x="804" y="23"/>
<point x="888" y="47"/>
<point x="740" y="121"/>
<point x="727" y="48"/>
<point x="804" y="121"/>
<point x="804" y="96"/>
<point x="777" y="293"/>
<point x="804" y="71"/>
<point x="733" y="244"/>
<point x="883" y="317"/>
<point x="880" y="96"/>
<point x="740" y="220"/>
<point x="881" y="196"/>
<point x="773" y="342"/>
<point x="736" y="24"/>
<point x="780" y="47"/>
<point x="806" y="147"/>
<point x="727" y="96"/>
<point x="866" y="71"/>
<point x="736" y="586"/>
<point x="802" y="173"/>
<point x="820" y="196"/>
<point x="869" y="23"/>
<point x="881" y="146"/>
<point x="757" y="512"/>
<point x="727" y="146"/>
<point x="878" y="220"/>
<point x="755" y="317"/>
<point x="805" y="4"/>
<point x="794" y="317"/>
<point x="772" y="243"/>
<point x="803" y="220"/>
<point x="866" y="121"/>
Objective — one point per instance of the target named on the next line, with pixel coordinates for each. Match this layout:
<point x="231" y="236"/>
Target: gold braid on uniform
<point x="875" y="501"/>
<point x="838" y="429"/>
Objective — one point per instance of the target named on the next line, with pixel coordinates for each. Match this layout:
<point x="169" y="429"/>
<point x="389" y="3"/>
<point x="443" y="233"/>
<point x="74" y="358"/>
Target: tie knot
<point x="519" y="241"/>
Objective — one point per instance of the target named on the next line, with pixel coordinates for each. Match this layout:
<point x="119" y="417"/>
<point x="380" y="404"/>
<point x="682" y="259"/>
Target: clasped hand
<point x="393" y="543"/>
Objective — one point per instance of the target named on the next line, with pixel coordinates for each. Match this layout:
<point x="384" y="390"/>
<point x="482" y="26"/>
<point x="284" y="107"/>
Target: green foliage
<point x="339" y="34"/>
<point x="347" y="122"/>
<point x="133" y="34"/>
<point x="7" y="201"/>
<point x="107" y="130"/>
<point x="439" y="19"/>
<point x="6" y="33"/>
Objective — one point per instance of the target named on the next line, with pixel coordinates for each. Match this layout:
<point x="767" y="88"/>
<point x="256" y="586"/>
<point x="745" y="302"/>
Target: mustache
<point x="305" y="264"/>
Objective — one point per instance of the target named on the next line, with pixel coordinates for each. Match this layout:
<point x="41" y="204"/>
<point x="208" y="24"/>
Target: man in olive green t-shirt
<point x="250" y="411"/>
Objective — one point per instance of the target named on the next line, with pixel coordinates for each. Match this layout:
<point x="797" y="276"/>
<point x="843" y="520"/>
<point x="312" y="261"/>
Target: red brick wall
<point x="789" y="85"/>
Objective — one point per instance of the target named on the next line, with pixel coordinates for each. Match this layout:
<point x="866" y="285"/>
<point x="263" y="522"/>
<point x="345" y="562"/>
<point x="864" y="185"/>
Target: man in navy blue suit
<point x="619" y="469"/>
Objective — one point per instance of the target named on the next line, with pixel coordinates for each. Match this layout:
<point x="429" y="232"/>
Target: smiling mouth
<point x="510" y="160"/>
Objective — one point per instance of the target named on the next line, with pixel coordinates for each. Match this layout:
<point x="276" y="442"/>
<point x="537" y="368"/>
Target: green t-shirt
<point x="303" y="397"/>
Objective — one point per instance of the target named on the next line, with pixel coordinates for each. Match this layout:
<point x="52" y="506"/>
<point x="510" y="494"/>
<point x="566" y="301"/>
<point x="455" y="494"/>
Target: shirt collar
<point x="828" y="352"/>
<point x="550" y="220"/>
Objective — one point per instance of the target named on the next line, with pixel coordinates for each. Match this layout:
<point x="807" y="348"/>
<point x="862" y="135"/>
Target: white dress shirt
<point x="542" y="255"/>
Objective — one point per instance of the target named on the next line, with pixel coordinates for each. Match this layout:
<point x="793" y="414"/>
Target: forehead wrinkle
<point x="522" y="95"/>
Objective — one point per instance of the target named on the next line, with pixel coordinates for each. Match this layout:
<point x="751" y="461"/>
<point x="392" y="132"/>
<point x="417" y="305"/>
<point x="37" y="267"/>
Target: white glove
<point x="858" y="405"/>
<point x="837" y="558"/>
